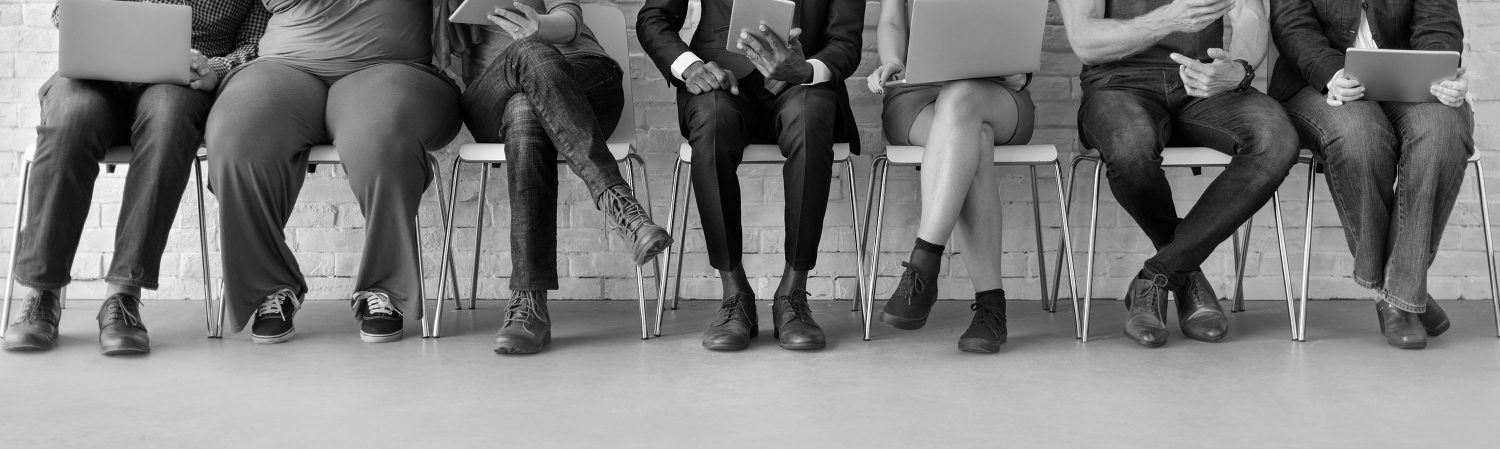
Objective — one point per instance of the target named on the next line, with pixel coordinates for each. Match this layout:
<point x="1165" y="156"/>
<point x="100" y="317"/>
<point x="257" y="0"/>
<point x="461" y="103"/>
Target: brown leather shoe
<point x="528" y="326"/>
<point x="1198" y="311"/>
<point x="1402" y="329"/>
<point x="36" y="328"/>
<point x="794" y="324"/>
<point x="735" y="326"/>
<point x="121" y="331"/>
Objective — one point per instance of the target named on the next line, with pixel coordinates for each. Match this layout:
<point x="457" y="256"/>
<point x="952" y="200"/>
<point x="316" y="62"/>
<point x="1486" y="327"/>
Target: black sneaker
<point x="987" y="331"/>
<point x="120" y="328"/>
<point x="36" y="328"/>
<point x="912" y="301"/>
<point x="273" y="320"/>
<point x="379" y="321"/>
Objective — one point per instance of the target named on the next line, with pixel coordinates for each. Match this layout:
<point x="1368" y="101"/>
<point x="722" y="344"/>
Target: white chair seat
<point x="323" y="154"/>
<point x="1306" y="156"/>
<point x="1004" y="154"/>
<point x="495" y="152"/>
<point x="765" y="153"/>
<point x="115" y="155"/>
<point x="1185" y="157"/>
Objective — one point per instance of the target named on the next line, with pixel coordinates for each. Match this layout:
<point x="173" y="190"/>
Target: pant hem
<point x="131" y="282"/>
<point x="35" y="285"/>
<point x="1401" y="304"/>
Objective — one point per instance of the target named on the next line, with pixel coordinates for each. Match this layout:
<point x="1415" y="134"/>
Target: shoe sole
<point x="373" y="338"/>
<point x="524" y="349"/>
<point x="902" y="323"/>
<point x="653" y="250"/>
<point x="1416" y="345"/>
<point x="261" y="340"/>
<point x="725" y="347"/>
<point x="1149" y="344"/>
<point x="797" y="346"/>
<point x="979" y="345"/>
<point x="124" y="351"/>
<point x="21" y="347"/>
<point x="1436" y="331"/>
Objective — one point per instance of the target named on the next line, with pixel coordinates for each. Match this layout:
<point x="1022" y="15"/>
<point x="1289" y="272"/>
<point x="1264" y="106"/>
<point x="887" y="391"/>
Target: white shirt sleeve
<point x="682" y="63"/>
<point x="820" y="72"/>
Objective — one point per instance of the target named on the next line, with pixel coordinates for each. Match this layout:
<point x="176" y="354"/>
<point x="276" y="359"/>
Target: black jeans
<point x="719" y="124"/>
<point x="541" y="104"/>
<point x="1394" y="170"/>
<point x="80" y="120"/>
<point x="1130" y="116"/>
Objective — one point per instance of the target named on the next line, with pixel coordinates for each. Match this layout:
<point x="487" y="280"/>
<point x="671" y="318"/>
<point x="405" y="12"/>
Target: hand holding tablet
<point x="1410" y="76"/>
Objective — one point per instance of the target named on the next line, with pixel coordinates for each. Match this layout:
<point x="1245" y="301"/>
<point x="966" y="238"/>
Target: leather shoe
<point x="1402" y="329"/>
<point x="120" y="328"/>
<point x="1435" y="320"/>
<point x="735" y="325"/>
<point x="1146" y="301"/>
<point x="794" y="322"/>
<point x="528" y="325"/>
<point x="36" y="329"/>
<point x="1198" y="310"/>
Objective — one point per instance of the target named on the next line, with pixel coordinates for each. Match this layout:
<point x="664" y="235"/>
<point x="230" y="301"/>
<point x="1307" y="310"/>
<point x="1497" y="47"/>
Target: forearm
<point x="557" y="27"/>
<point x="891" y="35"/>
<point x="1248" y="20"/>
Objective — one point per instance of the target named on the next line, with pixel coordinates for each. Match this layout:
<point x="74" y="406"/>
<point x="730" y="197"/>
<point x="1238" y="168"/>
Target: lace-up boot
<point x="36" y="328"/>
<point x="794" y="325"/>
<point x="273" y="319"/>
<point x="1146" y="301"/>
<point x="379" y="320"/>
<point x="120" y="328"/>
<point x="633" y="223"/>
<point x="528" y="326"/>
<point x="735" y="325"/>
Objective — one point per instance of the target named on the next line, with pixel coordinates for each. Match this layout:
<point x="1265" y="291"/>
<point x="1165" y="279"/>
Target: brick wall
<point x="327" y="233"/>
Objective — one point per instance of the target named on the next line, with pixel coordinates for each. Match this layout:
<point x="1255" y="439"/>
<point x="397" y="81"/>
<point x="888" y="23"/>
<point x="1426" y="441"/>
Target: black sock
<point x="991" y="294"/>
<point x="929" y="246"/>
<point x="791" y="280"/>
<point x="927" y="257"/>
<point x="734" y="281"/>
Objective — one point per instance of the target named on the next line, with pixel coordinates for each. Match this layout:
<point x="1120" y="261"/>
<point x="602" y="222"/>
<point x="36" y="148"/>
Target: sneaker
<point x="273" y="320"/>
<point x="120" y="328"/>
<point x="987" y="330"/>
<point x="528" y="326"/>
<point x="379" y="321"/>
<point x="36" y="328"/>
<point x="633" y="223"/>
<point x="912" y="301"/>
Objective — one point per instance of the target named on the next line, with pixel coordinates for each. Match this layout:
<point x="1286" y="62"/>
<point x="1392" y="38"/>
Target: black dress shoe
<point x="1434" y="319"/>
<point x="379" y="320"/>
<point x="120" y="328"/>
<point x="1146" y="301"/>
<point x="528" y="325"/>
<point x="1402" y="329"/>
<point x="1198" y="310"/>
<point x="735" y="325"/>
<point x="794" y="322"/>
<point x="987" y="330"/>
<point x="912" y="301"/>
<point x="36" y="328"/>
<point x="273" y="319"/>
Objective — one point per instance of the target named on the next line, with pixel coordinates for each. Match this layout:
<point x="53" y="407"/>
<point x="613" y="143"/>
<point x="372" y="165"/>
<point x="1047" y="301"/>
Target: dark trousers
<point x="1130" y="116"/>
<point x="719" y="124"/>
<point x="383" y="119"/>
<point x="542" y="105"/>
<point x="1394" y="170"/>
<point x="80" y="120"/>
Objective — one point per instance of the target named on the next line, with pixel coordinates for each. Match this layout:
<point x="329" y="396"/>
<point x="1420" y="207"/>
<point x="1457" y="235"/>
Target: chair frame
<point x="882" y="165"/>
<point x="1314" y="166"/>
<point x="1241" y="240"/>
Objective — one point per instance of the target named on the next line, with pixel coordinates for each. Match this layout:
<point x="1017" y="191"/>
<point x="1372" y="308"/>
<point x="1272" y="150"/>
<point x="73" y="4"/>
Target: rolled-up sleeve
<point x="247" y="45"/>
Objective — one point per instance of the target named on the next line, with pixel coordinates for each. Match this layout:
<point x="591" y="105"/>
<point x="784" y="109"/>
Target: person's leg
<point x="531" y="171"/>
<point x="804" y="123"/>
<point x="258" y="133"/>
<point x="384" y="120"/>
<point x="1436" y="141"/>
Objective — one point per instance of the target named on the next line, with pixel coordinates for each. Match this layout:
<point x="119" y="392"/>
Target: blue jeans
<point x="1131" y="115"/>
<point x="1394" y="170"/>
<point x="541" y="104"/>
<point x="80" y="120"/>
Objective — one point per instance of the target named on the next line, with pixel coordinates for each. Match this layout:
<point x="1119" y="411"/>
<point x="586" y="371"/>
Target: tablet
<point x="477" y="11"/>
<point x="749" y="15"/>
<point x="1400" y="75"/>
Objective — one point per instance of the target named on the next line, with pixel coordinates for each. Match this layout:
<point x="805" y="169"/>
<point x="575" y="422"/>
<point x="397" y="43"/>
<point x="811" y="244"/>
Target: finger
<point x="528" y="11"/>
<point x="792" y="40"/>
<point x="1333" y="101"/>
<point x="1195" y="77"/>
<point x="508" y="14"/>
<point x="1349" y="96"/>
<point x="1186" y="61"/>
<point x="1442" y="92"/>
<point x="772" y="40"/>
<point x="1461" y="72"/>
<point x="734" y="84"/>
<point x="1218" y="54"/>
<point x="1346" y="83"/>
<point x="753" y="40"/>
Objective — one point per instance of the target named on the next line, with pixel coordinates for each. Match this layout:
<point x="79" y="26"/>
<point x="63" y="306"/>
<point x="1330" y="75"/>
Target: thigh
<point x="1349" y="128"/>
<point x="714" y="115"/>
<point x="267" y="106"/>
<point x="1234" y="123"/>
<point x="99" y="105"/>
<point x="600" y="80"/>
<point x="807" y="110"/>
<point x="393" y="103"/>
<point x="168" y="105"/>
<point x="1432" y="128"/>
<point x="1124" y="123"/>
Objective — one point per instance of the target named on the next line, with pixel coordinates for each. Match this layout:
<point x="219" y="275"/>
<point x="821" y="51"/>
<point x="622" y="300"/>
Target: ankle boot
<point x="1435" y="320"/>
<point x="120" y="328"/>
<point x="633" y="223"/>
<point x="36" y="328"/>
<point x="528" y="326"/>
<point x="987" y="331"/>
<point x="1402" y="329"/>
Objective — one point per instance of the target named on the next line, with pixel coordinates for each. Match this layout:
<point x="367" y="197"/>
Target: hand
<point x="775" y="59"/>
<point x="1206" y="80"/>
<point x="519" y="26"/>
<point x="1013" y="82"/>
<point x="884" y="74"/>
<point x="1190" y="16"/>
<point x="1452" y="92"/>
<point x="704" y="77"/>
<point x="202" y="76"/>
<point x="1343" y="88"/>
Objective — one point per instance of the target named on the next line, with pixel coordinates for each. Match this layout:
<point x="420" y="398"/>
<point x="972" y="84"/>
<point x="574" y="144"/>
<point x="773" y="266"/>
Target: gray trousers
<point x="383" y="119"/>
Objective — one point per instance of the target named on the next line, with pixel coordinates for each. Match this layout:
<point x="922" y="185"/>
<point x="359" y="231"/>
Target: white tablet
<point x="749" y="15"/>
<point x="477" y="11"/>
<point x="1400" y="75"/>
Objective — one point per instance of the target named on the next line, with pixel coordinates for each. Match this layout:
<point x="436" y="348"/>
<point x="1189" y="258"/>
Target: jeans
<point x="1130" y="116"/>
<point x="719" y="124"/>
<point x="1394" y="170"/>
<point x="80" y="120"/>
<point x="541" y="104"/>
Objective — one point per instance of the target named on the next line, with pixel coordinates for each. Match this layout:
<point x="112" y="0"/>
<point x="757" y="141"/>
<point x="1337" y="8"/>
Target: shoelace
<point x="989" y="316"/>
<point x="31" y="310"/>
<point x="377" y="304"/>
<point x="115" y="310"/>
<point x="1153" y="292"/>
<point x="274" y="305"/>
<point x="911" y="284"/>
<point x="798" y="308"/>
<point x="521" y="309"/>
<point x="729" y="309"/>
<point x="624" y="212"/>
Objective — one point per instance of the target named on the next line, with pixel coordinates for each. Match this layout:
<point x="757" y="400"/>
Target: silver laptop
<point x="124" y="41"/>
<point x="964" y="39"/>
<point x="1400" y="75"/>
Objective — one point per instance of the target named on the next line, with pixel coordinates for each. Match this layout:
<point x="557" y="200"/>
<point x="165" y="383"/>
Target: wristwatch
<point x="1249" y="76"/>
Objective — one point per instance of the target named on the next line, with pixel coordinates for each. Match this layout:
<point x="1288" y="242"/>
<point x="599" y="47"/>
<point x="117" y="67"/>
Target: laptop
<point x="124" y="41"/>
<point x="964" y="39"/>
<point x="1400" y="75"/>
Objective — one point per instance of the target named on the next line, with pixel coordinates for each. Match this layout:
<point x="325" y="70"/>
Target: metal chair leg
<point x="1286" y="272"/>
<point x="1489" y="243"/>
<point x="640" y="278"/>
<point x="1312" y="177"/>
<point x="484" y="184"/>
<point x="1048" y="304"/>
<point x="687" y="205"/>
<point x="416" y="240"/>
<point x="884" y="168"/>
<point x="859" y="252"/>
<point x="661" y="295"/>
<point x="1066" y="251"/>
<point x="646" y="199"/>
<point x="1242" y="259"/>
<point x="437" y="184"/>
<point x="15" y="240"/>
<point x="1088" y="279"/>
<point x="437" y="314"/>
<point x="208" y="292"/>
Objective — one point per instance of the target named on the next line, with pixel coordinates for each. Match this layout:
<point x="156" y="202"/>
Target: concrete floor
<point x="601" y="386"/>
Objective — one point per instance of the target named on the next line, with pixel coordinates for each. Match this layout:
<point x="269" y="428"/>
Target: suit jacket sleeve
<point x="658" y="26"/>
<point x="1299" y="37"/>
<point x="1435" y="25"/>
<point x="842" y="38"/>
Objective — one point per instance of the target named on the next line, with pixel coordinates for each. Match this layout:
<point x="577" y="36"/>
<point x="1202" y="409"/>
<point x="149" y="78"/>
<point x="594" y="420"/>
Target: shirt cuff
<point x="682" y="63"/>
<point x="820" y="72"/>
<point x="219" y="66"/>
